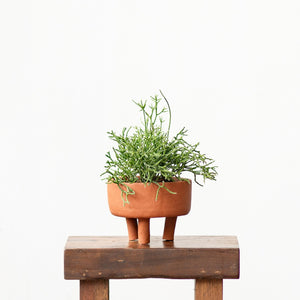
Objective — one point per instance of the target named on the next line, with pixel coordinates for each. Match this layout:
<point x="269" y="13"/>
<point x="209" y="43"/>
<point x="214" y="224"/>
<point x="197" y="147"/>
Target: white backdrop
<point x="68" y="73"/>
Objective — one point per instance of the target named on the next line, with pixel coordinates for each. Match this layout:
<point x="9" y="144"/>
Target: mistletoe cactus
<point x="147" y="154"/>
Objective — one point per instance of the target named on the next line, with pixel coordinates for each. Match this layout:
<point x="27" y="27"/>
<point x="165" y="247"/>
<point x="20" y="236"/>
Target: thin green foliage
<point x="147" y="154"/>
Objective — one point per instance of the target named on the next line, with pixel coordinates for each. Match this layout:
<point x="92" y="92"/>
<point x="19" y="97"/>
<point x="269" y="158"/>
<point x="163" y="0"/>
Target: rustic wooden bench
<point x="207" y="259"/>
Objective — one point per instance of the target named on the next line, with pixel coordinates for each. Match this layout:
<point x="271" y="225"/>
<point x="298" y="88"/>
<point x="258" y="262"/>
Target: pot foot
<point x="144" y="231"/>
<point x="132" y="228"/>
<point x="169" y="229"/>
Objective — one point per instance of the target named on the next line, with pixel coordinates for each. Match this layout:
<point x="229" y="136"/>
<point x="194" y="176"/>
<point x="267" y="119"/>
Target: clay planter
<point x="143" y="206"/>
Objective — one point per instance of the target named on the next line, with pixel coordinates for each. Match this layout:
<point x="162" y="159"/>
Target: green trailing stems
<point x="146" y="154"/>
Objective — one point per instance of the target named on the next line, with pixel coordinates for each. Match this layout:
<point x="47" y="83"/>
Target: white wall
<point x="68" y="72"/>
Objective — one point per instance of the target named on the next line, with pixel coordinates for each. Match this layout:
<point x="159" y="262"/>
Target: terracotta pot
<point x="143" y="206"/>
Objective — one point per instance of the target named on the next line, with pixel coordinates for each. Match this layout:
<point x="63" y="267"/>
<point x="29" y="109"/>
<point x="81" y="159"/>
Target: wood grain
<point x="208" y="289"/>
<point x="94" y="289"/>
<point x="109" y="242"/>
<point x="183" y="258"/>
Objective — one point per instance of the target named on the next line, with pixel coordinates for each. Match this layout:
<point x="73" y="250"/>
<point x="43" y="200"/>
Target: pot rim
<point x="187" y="180"/>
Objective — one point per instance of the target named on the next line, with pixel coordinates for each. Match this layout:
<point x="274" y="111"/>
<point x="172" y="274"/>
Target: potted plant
<point x="144" y="172"/>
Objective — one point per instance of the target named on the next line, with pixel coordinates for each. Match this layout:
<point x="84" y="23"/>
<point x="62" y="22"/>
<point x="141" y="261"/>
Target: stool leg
<point x="169" y="229"/>
<point x="208" y="289"/>
<point x="94" y="289"/>
<point x="144" y="231"/>
<point x="132" y="228"/>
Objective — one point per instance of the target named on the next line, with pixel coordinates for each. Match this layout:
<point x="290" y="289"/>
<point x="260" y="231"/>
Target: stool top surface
<point x="180" y="242"/>
<point x="92" y="257"/>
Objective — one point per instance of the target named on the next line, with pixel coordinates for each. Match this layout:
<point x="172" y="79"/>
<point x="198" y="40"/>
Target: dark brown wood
<point x="94" y="289"/>
<point x="208" y="289"/>
<point x="185" y="257"/>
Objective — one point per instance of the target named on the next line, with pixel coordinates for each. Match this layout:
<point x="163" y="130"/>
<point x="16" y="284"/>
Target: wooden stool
<point x="207" y="259"/>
